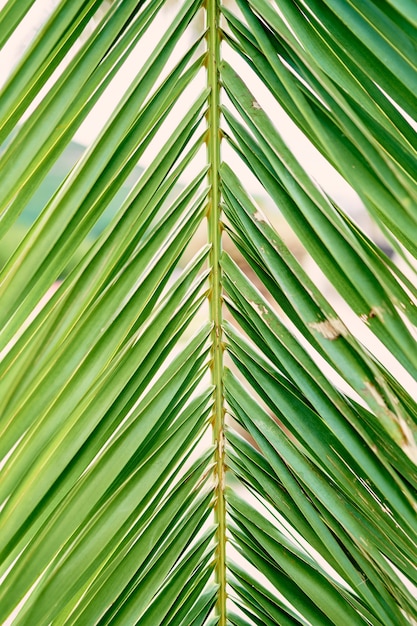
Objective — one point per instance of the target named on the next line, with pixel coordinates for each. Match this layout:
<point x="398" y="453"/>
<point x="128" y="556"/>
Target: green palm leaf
<point x="196" y="427"/>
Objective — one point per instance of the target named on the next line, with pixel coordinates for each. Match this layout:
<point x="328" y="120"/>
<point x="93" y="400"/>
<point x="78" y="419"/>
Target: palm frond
<point x="196" y="430"/>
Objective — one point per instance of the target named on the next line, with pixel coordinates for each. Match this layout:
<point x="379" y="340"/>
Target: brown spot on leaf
<point x="374" y="312"/>
<point x="330" y="329"/>
<point x="260" y="217"/>
<point x="410" y="444"/>
<point x="375" y="394"/>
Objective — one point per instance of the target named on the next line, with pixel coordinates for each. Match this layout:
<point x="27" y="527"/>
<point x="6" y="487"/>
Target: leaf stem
<point x="214" y="233"/>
